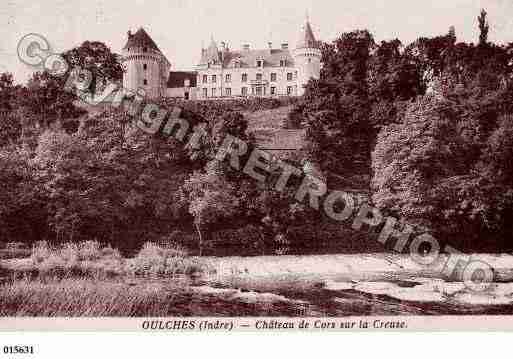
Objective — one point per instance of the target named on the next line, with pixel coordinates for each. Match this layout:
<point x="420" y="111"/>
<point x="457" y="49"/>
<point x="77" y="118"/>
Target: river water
<point x="344" y="285"/>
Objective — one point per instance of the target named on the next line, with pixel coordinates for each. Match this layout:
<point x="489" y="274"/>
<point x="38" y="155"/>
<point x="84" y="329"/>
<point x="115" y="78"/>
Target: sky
<point x="180" y="27"/>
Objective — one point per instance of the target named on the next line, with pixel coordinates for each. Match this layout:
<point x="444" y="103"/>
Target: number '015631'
<point x="18" y="349"/>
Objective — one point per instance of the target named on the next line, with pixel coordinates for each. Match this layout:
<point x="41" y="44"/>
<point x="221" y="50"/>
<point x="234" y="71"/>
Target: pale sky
<point x="179" y="27"/>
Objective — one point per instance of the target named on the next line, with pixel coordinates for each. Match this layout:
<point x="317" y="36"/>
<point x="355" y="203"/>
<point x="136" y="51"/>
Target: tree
<point x="211" y="198"/>
<point x="22" y="201"/>
<point x="6" y="92"/>
<point x="10" y="124"/>
<point x="46" y="100"/>
<point x="393" y="79"/>
<point x="335" y="108"/>
<point x="484" y="28"/>
<point x="452" y="33"/>
<point x="443" y="167"/>
<point x="97" y="58"/>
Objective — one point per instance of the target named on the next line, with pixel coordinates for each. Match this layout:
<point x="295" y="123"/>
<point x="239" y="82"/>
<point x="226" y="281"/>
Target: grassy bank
<point x="88" y="279"/>
<point x="91" y="259"/>
<point x="86" y="297"/>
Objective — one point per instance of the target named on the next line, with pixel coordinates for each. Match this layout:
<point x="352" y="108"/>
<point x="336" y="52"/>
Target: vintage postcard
<point x="290" y="165"/>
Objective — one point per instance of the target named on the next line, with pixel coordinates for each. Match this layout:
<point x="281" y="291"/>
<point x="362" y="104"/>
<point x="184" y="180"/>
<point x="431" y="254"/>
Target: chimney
<point x="285" y="46"/>
<point x="245" y="47"/>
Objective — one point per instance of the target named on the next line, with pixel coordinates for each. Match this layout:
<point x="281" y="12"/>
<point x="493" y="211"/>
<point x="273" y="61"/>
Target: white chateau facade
<point x="224" y="73"/>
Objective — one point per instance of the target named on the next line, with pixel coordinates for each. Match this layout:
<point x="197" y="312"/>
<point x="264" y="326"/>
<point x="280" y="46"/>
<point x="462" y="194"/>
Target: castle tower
<point x="146" y="67"/>
<point x="307" y="57"/>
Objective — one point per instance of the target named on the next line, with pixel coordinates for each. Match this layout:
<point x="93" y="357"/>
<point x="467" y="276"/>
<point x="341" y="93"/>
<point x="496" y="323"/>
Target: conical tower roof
<point x="140" y="39"/>
<point x="212" y="52"/>
<point x="306" y="37"/>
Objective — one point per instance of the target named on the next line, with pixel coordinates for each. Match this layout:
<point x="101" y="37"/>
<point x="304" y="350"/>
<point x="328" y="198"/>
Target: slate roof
<point x="176" y="78"/>
<point x="307" y="38"/>
<point x="248" y="58"/>
<point x="141" y="39"/>
<point x="212" y="53"/>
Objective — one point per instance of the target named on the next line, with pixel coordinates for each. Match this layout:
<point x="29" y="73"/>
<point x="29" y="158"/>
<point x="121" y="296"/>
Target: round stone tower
<point x="145" y="65"/>
<point x="307" y="57"/>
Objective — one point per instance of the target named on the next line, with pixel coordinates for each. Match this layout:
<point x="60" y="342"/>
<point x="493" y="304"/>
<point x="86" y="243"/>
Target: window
<point x="289" y="90"/>
<point x="259" y="77"/>
<point x="145" y="67"/>
<point x="273" y="77"/>
<point x="145" y="49"/>
<point x="205" y="79"/>
<point x="259" y="63"/>
<point x="273" y="90"/>
<point x="295" y="75"/>
<point x="214" y="79"/>
<point x="205" y="93"/>
<point x="214" y="92"/>
<point x="228" y="91"/>
<point x="244" y="77"/>
<point x="244" y="91"/>
<point x="228" y="78"/>
<point x="145" y="82"/>
<point x="289" y="76"/>
<point x="282" y="63"/>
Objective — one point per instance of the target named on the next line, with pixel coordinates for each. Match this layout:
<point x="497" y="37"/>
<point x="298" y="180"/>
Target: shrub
<point x="163" y="260"/>
<point x="89" y="250"/>
<point x="86" y="258"/>
<point x="40" y="251"/>
<point x="14" y="250"/>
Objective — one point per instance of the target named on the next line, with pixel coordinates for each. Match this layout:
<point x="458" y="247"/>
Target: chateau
<point x="222" y="72"/>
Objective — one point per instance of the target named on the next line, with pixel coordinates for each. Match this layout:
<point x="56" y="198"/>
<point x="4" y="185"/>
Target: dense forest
<point x="423" y="131"/>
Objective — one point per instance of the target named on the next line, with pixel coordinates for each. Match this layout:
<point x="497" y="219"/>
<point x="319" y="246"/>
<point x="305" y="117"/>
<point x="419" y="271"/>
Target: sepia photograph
<point x="193" y="165"/>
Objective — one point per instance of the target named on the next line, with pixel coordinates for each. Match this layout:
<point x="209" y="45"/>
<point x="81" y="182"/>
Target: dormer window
<point x="236" y="62"/>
